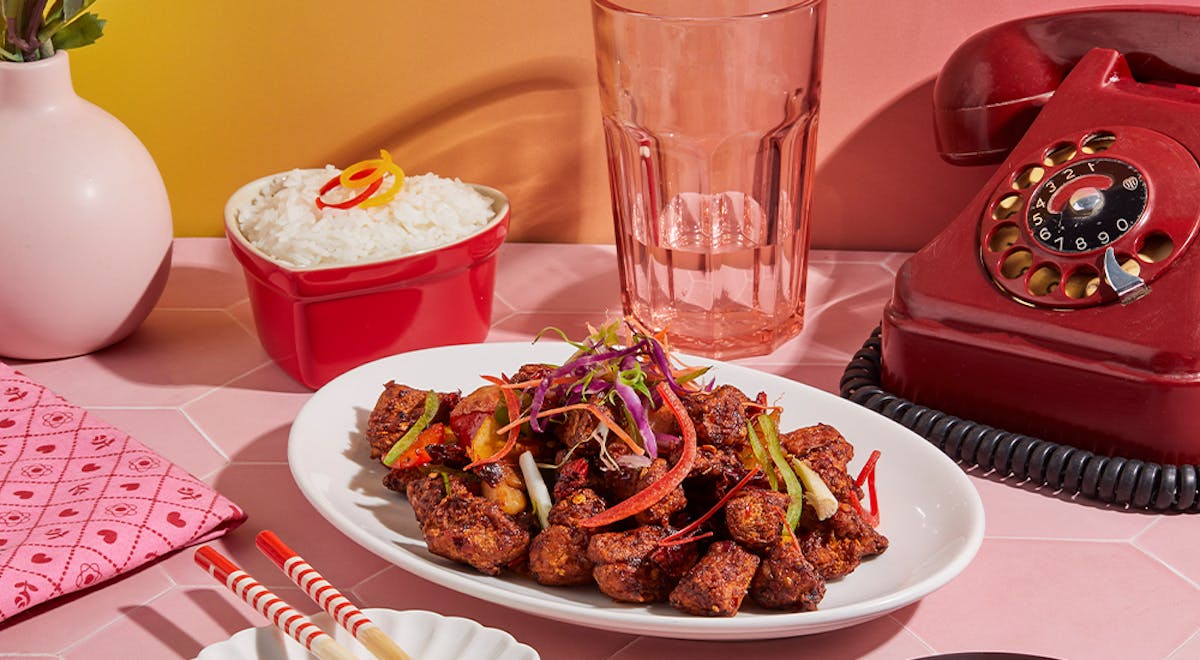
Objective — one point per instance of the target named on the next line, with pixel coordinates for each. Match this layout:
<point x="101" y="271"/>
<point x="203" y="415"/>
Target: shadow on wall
<point x="885" y="187"/>
<point x="531" y="115"/>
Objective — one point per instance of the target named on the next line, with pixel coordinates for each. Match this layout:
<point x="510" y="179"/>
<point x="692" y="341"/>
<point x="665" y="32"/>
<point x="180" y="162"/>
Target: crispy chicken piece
<point x="786" y="581"/>
<point x="473" y="530"/>
<point x="716" y="585"/>
<point x="624" y="570"/>
<point x="719" y="416"/>
<point x="532" y="371"/>
<point x="581" y="504"/>
<point x="676" y="559"/>
<point x="836" y="546"/>
<point x="426" y="492"/>
<point x="574" y="475"/>
<point x="396" y="410"/>
<point x="661" y="511"/>
<point x="755" y="518"/>
<point x="820" y="438"/>
<point x="558" y="555"/>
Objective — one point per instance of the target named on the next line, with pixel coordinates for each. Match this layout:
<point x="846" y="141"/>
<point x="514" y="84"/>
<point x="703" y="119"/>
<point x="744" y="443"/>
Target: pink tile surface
<point x="175" y="356"/>
<point x="1173" y="540"/>
<point x="1054" y="577"/>
<point x="204" y="275"/>
<point x="250" y="417"/>
<point x="1026" y="512"/>
<point x="170" y="433"/>
<point x="1064" y="599"/>
<point x="881" y="638"/>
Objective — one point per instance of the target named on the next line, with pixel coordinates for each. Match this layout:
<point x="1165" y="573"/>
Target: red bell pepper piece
<point x="415" y="455"/>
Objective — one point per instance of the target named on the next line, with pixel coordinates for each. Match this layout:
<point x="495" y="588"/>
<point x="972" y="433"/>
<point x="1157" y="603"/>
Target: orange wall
<point x="502" y="93"/>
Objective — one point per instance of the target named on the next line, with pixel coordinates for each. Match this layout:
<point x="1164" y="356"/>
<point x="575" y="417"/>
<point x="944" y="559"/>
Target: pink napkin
<point x="81" y="501"/>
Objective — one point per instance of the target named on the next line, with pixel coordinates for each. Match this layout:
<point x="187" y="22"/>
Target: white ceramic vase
<point x="85" y="224"/>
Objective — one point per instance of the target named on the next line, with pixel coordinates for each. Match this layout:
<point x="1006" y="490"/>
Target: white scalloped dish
<point x="931" y="513"/>
<point x="422" y="634"/>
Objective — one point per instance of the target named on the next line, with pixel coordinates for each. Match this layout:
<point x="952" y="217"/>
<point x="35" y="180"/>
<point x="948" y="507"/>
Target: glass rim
<point x="620" y="6"/>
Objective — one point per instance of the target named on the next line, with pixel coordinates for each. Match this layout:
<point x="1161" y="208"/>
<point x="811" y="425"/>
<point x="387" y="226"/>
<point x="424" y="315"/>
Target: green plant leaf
<point x="54" y="11"/>
<point x="71" y="7"/>
<point x="81" y="32"/>
<point x="4" y="54"/>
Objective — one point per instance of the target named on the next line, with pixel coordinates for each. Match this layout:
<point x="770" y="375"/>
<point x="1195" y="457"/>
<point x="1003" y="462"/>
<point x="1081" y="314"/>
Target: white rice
<point x="429" y="211"/>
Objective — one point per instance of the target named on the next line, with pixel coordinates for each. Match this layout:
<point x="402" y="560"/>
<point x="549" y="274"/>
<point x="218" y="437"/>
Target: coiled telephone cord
<point x="1111" y="479"/>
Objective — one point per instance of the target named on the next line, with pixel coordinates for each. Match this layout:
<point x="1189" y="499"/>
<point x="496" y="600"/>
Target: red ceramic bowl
<point x="320" y="322"/>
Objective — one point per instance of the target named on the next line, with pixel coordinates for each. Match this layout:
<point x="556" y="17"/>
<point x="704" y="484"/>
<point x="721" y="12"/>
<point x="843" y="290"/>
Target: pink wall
<point x="880" y="182"/>
<point x="504" y="93"/>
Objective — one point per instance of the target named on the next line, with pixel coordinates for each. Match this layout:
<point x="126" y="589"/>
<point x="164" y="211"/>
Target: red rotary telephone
<point x="1064" y="301"/>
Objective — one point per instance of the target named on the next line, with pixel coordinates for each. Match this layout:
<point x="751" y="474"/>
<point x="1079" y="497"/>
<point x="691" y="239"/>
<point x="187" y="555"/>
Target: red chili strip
<point x="335" y="181"/>
<point x="867" y="469"/>
<point x="867" y="475"/>
<point x="872" y="516"/>
<point x="695" y="524"/>
<point x="667" y="543"/>
<point x="874" y="499"/>
<point x="646" y="497"/>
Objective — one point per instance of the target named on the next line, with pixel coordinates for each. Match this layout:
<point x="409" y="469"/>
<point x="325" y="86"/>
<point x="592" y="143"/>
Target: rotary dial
<point x="1087" y="205"/>
<point x="1065" y="217"/>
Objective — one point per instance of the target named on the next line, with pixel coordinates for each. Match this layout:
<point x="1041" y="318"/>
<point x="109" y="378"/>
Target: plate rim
<point x="633" y="620"/>
<point x="378" y="615"/>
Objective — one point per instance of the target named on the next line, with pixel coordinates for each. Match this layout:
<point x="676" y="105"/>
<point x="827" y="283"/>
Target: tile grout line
<point x="172" y="585"/>
<point x="1194" y="636"/>
<point x="215" y="447"/>
<point x="238" y="322"/>
<point x="627" y="646"/>
<point x="225" y="384"/>
<point x="1160" y="560"/>
<point x="910" y="631"/>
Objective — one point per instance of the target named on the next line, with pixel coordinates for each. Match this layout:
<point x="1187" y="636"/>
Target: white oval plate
<point x="930" y="511"/>
<point x="424" y="635"/>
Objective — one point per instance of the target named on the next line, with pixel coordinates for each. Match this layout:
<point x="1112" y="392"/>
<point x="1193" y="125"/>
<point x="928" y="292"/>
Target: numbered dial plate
<point x="1087" y="205"/>
<point x="1055" y="208"/>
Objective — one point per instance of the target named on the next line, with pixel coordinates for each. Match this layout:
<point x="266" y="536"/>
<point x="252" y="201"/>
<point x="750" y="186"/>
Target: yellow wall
<point x="503" y="92"/>
<point x="489" y="91"/>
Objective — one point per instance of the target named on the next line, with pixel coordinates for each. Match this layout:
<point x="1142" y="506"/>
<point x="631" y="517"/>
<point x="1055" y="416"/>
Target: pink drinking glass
<point x="710" y="116"/>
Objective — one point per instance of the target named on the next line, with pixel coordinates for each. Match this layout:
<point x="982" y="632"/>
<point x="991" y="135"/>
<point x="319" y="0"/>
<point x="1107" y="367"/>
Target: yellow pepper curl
<point x="366" y="174"/>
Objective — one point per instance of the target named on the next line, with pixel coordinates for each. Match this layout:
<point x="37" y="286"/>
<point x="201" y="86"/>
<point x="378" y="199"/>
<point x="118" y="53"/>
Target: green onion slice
<point x="760" y="455"/>
<point x="431" y="407"/>
<point x="539" y="495"/>
<point x="794" y="490"/>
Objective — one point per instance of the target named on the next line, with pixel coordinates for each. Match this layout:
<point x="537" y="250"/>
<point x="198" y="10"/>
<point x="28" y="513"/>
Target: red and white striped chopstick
<point x="279" y="613"/>
<point x="329" y="598"/>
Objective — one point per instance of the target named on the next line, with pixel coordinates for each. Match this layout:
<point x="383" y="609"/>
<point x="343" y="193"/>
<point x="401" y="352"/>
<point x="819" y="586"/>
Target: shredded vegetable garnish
<point x="613" y="372"/>
<point x="651" y="494"/>
<point x="367" y="175"/>
<point x="604" y="419"/>
<point x="410" y="436"/>
<point x="795" y="491"/>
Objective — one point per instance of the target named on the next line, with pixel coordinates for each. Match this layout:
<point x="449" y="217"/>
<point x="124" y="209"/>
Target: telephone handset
<point x="1064" y="301"/>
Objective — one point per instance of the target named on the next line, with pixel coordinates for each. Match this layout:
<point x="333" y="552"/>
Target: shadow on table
<point x="176" y="638"/>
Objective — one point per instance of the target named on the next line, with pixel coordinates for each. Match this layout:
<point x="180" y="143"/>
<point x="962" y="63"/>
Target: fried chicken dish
<point x="623" y="470"/>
